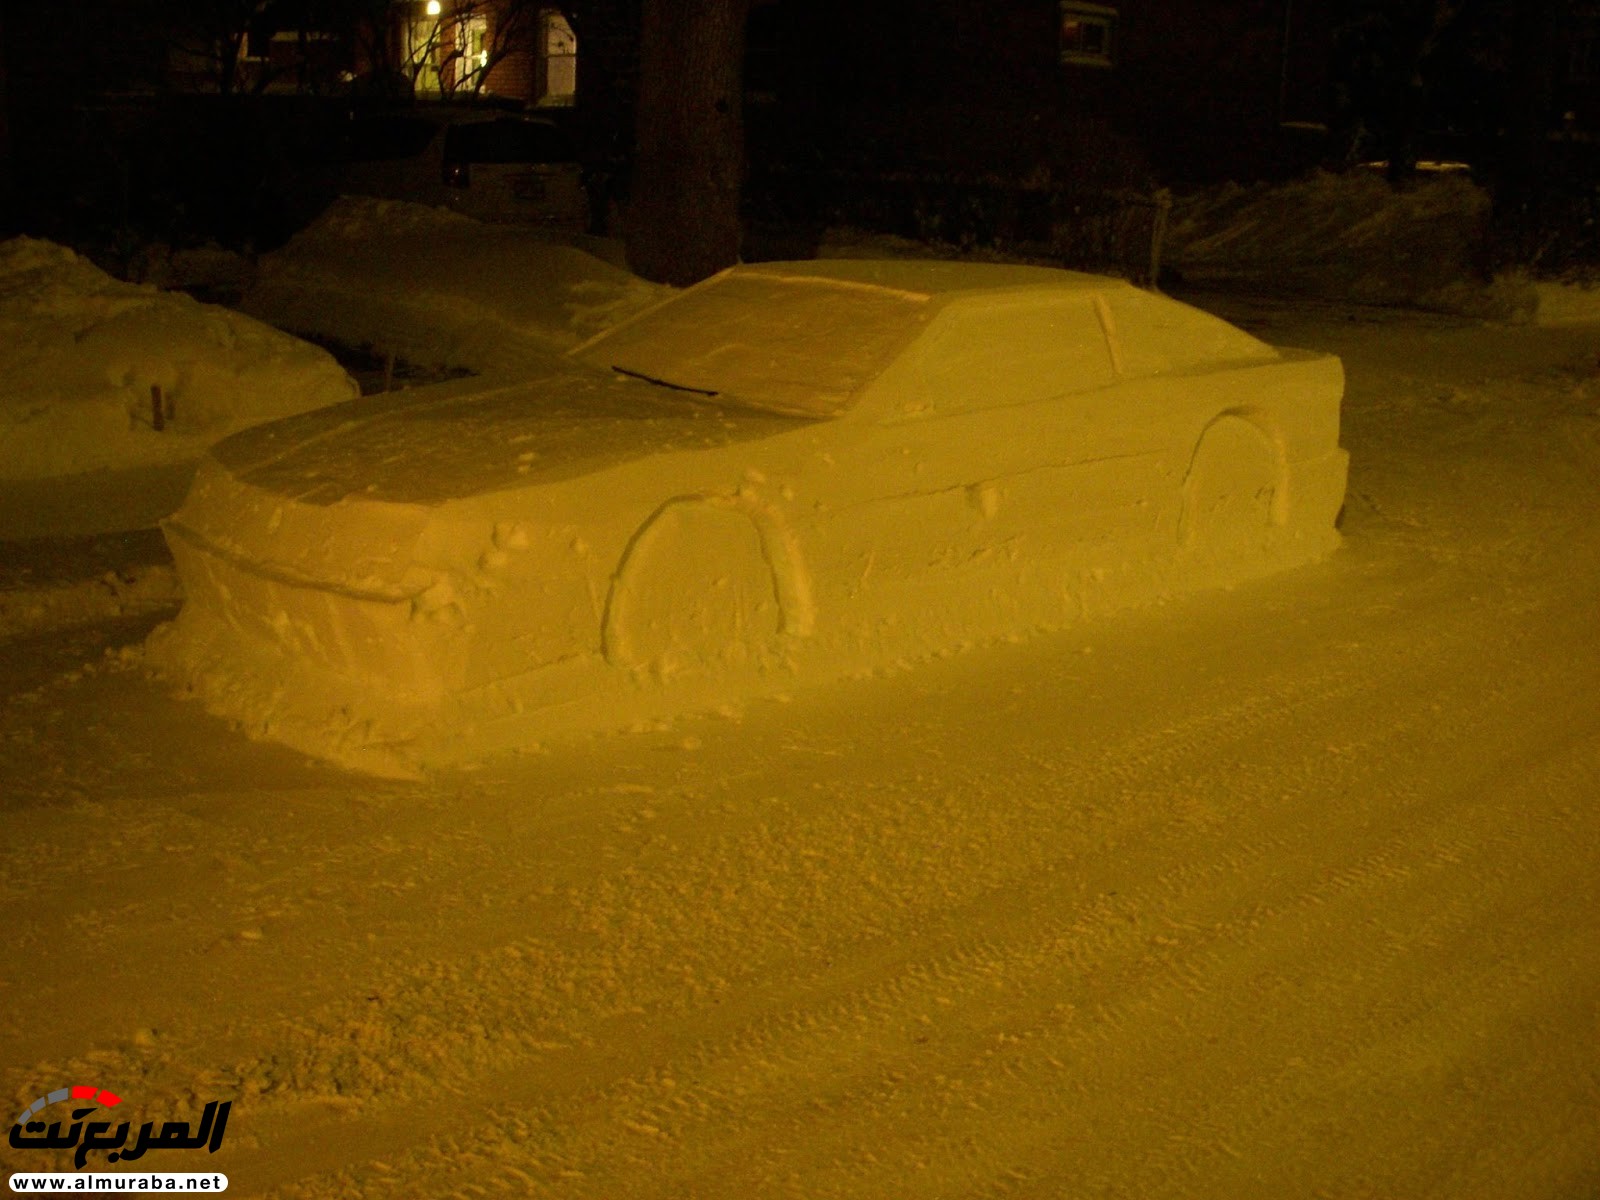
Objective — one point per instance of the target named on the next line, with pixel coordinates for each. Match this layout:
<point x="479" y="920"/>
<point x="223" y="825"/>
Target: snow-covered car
<point x="790" y="471"/>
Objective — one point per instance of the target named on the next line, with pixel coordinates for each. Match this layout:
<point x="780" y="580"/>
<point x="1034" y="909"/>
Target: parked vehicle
<point x="791" y="470"/>
<point x="492" y="166"/>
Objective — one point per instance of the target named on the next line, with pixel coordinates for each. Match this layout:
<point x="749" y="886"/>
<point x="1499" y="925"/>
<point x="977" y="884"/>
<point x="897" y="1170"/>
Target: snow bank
<point x="1348" y="237"/>
<point x="439" y="289"/>
<point x="1568" y="304"/>
<point x="145" y="588"/>
<point x="81" y="351"/>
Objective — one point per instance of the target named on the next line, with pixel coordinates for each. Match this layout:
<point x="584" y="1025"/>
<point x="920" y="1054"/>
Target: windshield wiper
<point x="666" y="383"/>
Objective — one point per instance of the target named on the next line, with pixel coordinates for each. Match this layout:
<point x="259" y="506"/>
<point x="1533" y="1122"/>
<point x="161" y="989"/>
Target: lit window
<point x="472" y="51"/>
<point x="560" y="54"/>
<point x="1086" y="31"/>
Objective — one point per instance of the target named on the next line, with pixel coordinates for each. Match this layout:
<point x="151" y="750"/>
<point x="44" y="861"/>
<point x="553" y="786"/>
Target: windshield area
<point x="796" y="345"/>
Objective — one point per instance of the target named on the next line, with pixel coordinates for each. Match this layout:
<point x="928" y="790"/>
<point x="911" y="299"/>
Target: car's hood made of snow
<point x="461" y="439"/>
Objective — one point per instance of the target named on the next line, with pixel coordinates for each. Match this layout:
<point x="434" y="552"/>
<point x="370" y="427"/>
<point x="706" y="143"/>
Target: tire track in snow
<point x="836" y="1043"/>
<point x="827" y="1045"/>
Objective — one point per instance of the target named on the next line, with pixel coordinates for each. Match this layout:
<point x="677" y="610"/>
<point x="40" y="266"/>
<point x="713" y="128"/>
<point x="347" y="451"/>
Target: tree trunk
<point x="7" y="168"/>
<point x="683" y="214"/>
<point x="1415" y="28"/>
<point x="608" y="77"/>
<point x="1531" y="94"/>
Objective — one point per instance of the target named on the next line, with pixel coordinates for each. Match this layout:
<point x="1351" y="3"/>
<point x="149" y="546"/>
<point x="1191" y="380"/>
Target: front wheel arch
<point x="666" y="607"/>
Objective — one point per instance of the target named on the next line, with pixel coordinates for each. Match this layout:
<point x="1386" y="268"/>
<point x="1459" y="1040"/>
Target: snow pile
<point x="1568" y="303"/>
<point x="209" y="270"/>
<point x="1347" y="237"/>
<point x="80" y="353"/>
<point x="441" y="290"/>
<point x="146" y="588"/>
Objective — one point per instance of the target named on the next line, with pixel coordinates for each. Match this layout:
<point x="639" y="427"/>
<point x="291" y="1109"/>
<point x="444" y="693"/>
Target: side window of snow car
<point x="989" y="352"/>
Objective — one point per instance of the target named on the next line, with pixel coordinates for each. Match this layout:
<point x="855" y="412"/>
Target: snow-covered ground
<point x="1283" y="891"/>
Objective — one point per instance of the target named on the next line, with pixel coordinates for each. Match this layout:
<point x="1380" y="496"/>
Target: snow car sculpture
<point x="789" y="470"/>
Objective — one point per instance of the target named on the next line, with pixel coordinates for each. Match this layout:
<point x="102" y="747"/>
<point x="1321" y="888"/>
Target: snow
<point x="79" y="355"/>
<point x="1285" y="890"/>
<point x="1349" y="236"/>
<point x="801" y="344"/>
<point x="81" y="352"/>
<point x="440" y="289"/>
<point x="589" y="549"/>
<point x="1568" y="303"/>
<point x="116" y="593"/>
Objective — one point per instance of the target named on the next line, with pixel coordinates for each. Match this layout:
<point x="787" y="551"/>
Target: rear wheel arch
<point x="1237" y="478"/>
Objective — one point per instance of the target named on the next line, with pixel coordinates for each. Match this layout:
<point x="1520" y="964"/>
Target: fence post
<point x="1158" y="232"/>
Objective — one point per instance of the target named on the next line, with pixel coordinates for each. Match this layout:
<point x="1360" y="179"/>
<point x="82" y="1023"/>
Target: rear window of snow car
<point x="798" y="345"/>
